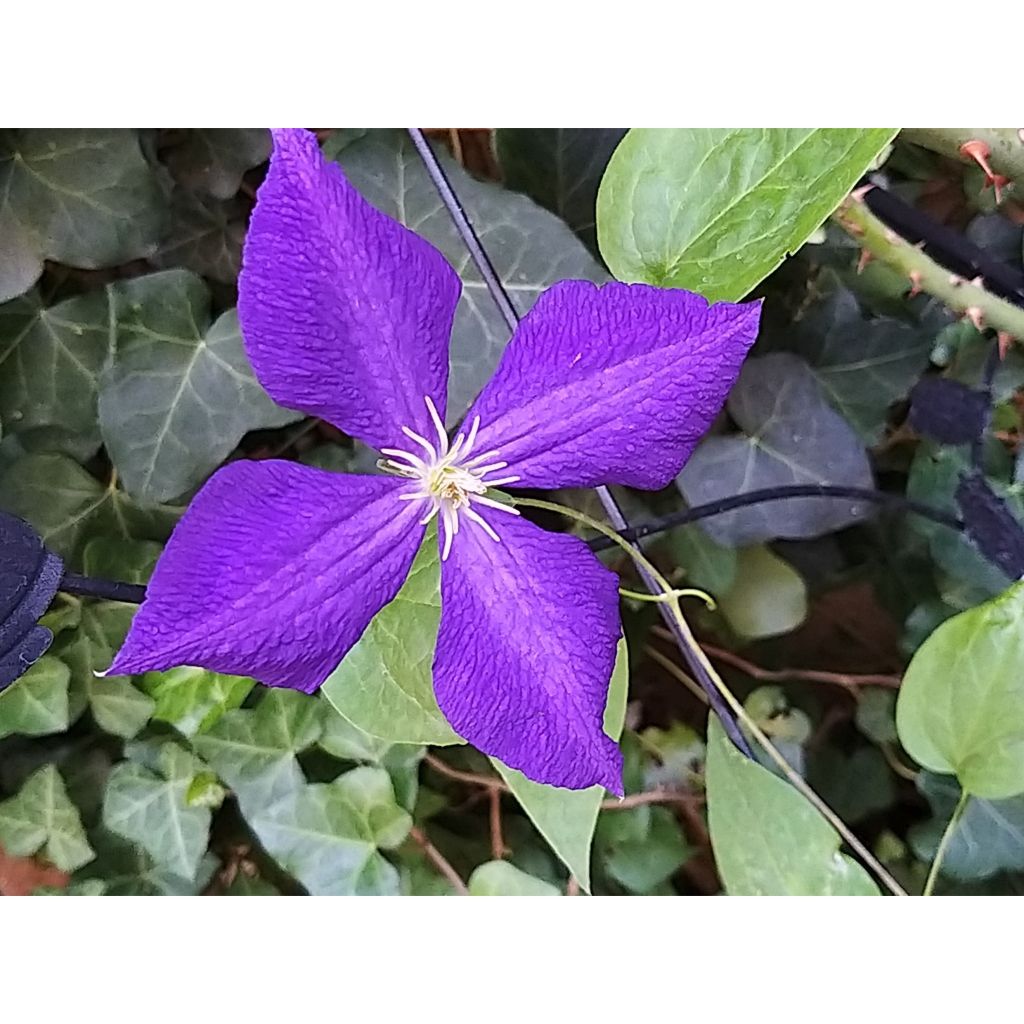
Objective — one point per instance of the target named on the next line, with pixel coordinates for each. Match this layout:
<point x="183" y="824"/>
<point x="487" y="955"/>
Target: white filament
<point x="449" y="479"/>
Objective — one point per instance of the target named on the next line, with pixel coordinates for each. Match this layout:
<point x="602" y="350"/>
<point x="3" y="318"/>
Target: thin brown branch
<point x="434" y="855"/>
<point x="653" y="796"/>
<point x="673" y="669"/>
<point x="470" y="778"/>
<point x="498" y="848"/>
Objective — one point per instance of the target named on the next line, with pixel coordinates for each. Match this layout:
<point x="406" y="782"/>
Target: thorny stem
<point x="1005" y="145"/>
<point x="969" y="298"/>
<point x="947" y="838"/>
<point x="795" y="779"/>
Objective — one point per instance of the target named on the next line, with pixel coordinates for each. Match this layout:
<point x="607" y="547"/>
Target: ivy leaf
<point x="499" y="878"/>
<point x="327" y="835"/>
<point x="791" y="435"/>
<point x="768" y="840"/>
<point x="716" y="210"/>
<point x="127" y="870"/>
<point x="530" y="248"/>
<point x="206" y="236"/>
<point x="50" y="362"/>
<point x="214" y="160"/>
<point x="768" y="597"/>
<point x="567" y="818"/>
<point x="179" y="393"/>
<point x="150" y="809"/>
<point x="192" y="699"/>
<point x="559" y="168"/>
<point x="42" y="819"/>
<point x="988" y="838"/>
<point x="66" y="504"/>
<point x="706" y="563"/>
<point x="37" y="704"/>
<point x="384" y="685"/>
<point x="118" y="707"/>
<point x="642" y="848"/>
<point x="85" y="197"/>
<point x="960" y="709"/>
<point x="113" y="558"/>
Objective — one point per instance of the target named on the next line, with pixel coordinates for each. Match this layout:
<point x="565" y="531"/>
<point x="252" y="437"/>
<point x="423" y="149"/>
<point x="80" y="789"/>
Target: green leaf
<point x="50" y="362"/>
<point x="150" y="809"/>
<point x="385" y="685"/>
<point x="344" y="740"/>
<point x="85" y="197"/>
<point x="791" y="435"/>
<point x="560" y="168"/>
<point x="716" y="210"/>
<point x="854" y="786"/>
<point x="529" y="247"/>
<point x="328" y="835"/>
<point x="499" y="878"/>
<point x="566" y="818"/>
<point x="206" y="236"/>
<point x="706" y="563"/>
<point x="988" y="838"/>
<point x="127" y="870"/>
<point x="876" y="714"/>
<point x="214" y="160"/>
<point x="67" y="505"/>
<point x="42" y="819"/>
<point x="768" y="597"/>
<point x="118" y="707"/>
<point x="37" y="704"/>
<point x="961" y="705"/>
<point x="254" y="752"/>
<point x="192" y="699"/>
<point x="642" y="848"/>
<point x="132" y="561"/>
<point x="179" y="393"/>
<point x="768" y="840"/>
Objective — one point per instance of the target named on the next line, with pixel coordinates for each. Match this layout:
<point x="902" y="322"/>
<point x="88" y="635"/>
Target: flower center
<point x="450" y="477"/>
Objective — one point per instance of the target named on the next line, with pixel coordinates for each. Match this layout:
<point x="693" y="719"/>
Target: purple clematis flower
<point x="276" y="568"/>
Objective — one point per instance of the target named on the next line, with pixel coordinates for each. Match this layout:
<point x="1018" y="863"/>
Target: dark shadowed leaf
<point x="82" y="196"/>
<point x="214" y="160"/>
<point x="179" y="392"/>
<point x="205" y="235"/>
<point x="791" y="435"/>
<point x="990" y="525"/>
<point x="948" y="411"/>
<point x="529" y="247"/>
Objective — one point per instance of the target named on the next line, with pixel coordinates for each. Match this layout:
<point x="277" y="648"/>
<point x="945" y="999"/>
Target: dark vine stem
<point x="106" y="590"/>
<point x="611" y="507"/>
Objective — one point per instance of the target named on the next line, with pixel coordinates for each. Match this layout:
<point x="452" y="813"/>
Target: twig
<point x="434" y="855"/>
<point x="470" y="778"/>
<point x="652" y="796"/>
<point x="672" y="668"/>
<point x="498" y="848"/>
<point x="969" y="298"/>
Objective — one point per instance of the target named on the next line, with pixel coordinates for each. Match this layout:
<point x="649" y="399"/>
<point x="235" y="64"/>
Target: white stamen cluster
<point x="450" y="477"/>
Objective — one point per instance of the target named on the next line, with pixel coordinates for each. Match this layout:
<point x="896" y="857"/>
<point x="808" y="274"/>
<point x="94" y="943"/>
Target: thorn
<point x="915" y="283"/>
<point x="891" y="237"/>
<point x="864" y="260"/>
<point x="978" y="282"/>
<point x="955" y="280"/>
<point x="979" y="152"/>
<point x="858" y="194"/>
<point x="1004" y="340"/>
<point x="1020" y="134"/>
<point x="975" y="315"/>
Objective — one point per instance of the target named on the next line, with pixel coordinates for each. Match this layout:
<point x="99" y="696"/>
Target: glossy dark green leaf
<point x="791" y="435"/>
<point x="42" y="819"/>
<point x="82" y="196"/>
<point x="214" y="160"/>
<point x="179" y="392"/>
<point x="205" y="235"/>
<point x="716" y="210"/>
<point x="768" y="840"/>
<point x="961" y="705"/>
<point x="561" y="169"/>
<point x="529" y="247"/>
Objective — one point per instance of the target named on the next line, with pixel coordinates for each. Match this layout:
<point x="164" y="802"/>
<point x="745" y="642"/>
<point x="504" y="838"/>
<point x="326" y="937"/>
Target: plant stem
<point x="924" y="274"/>
<point x="698" y="655"/>
<point x="947" y="838"/>
<point x="1006" y="149"/>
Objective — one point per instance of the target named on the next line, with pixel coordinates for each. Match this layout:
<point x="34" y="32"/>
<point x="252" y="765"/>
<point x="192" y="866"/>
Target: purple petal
<point x="525" y="652"/>
<point x="345" y="314"/>
<point x="274" y="572"/>
<point x="612" y="384"/>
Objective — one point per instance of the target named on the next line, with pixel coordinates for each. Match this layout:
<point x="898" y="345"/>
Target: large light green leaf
<point x="768" y="840"/>
<point x="66" y="504"/>
<point x="961" y="706"/>
<point x="179" y="393"/>
<point x="560" y="168"/>
<point x="566" y="818"/>
<point x="791" y="435"/>
<point x="529" y="247"/>
<point x="499" y="878"/>
<point x="50" y="362"/>
<point x="328" y="835"/>
<point x="716" y="210"/>
<point x="768" y="596"/>
<point x="41" y="819"/>
<point x="193" y="699"/>
<point x="150" y="808"/>
<point x="385" y="685"/>
<point x="37" y="703"/>
<point x="83" y="196"/>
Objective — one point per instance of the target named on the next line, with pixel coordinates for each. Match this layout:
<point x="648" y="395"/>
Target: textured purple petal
<point x="525" y="652"/>
<point x="274" y="572"/>
<point x="612" y="384"/>
<point x="345" y="314"/>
